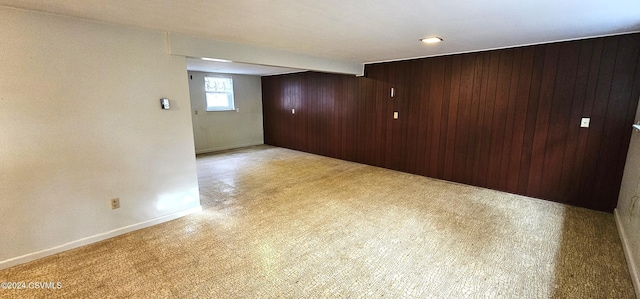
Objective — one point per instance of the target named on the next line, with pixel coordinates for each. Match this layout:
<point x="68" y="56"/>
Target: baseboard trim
<point x="95" y="238"/>
<point x="631" y="262"/>
<point x="224" y="148"/>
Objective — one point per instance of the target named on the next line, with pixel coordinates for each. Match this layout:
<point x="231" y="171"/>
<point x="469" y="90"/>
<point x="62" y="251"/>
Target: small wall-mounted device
<point x="164" y="103"/>
<point x="584" y="122"/>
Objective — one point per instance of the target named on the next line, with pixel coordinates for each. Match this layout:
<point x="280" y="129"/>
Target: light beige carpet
<point x="280" y="223"/>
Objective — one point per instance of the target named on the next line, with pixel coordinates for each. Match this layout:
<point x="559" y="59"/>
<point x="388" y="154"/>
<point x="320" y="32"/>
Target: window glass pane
<point x="217" y="100"/>
<point x="219" y="93"/>
<point x="218" y="84"/>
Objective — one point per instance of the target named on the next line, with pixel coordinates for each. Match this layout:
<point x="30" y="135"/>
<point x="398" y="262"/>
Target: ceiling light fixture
<point x="431" y="40"/>
<point x="215" y="59"/>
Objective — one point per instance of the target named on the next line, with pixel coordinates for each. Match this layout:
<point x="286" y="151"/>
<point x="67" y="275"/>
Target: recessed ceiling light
<point x="431" y="40"/>
<point x="215" y="59"/>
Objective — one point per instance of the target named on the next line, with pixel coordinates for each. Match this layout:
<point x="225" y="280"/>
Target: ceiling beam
<point x="184" y="45"/>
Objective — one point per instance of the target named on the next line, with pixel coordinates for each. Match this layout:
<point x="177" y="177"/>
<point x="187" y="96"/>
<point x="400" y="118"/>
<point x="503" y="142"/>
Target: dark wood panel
<point x="510" y="121"/>
<point x="530" y="121"/>
<point x="361" y="116"/>
<point x="559" y="124"/>
<point x="506" y="119"/>
<point x="413" y="120"/>
<point x="435" y="117"/>
<point x="349" y="117"/>
<point x="478" y="99"/>
<point x="569" y="164"/>
<point x="583" y="138"/>
<point x="615" y="117"/>
<point x="423" y="113"/>
<point x="500" y="115"/>
<point x="520" y="122"/>
<point x="596" y="129"/>
<point x="545" y="101"/>
<point x="453" y="87"/>
<point x="463" y="159"/>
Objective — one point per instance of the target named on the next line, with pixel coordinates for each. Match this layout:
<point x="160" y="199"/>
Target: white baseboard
<point x="631" y="258"/>
<point x="95" y="238"/>
<point x="224" y="148"/>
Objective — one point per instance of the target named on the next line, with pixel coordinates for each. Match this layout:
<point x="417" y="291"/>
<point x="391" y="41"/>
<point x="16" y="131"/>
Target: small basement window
<point x="219" y="93"/>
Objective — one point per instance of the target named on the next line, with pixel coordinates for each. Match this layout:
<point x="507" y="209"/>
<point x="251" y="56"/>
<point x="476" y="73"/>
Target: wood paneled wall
<point x="507" y="120"/>
<point x="324" y="108"/>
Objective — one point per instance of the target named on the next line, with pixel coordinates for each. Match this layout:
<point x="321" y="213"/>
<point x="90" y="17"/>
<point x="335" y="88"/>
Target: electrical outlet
<point x="115" y="203"/>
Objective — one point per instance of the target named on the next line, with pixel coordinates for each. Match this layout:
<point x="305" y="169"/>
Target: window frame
<point x="230" y="95"/>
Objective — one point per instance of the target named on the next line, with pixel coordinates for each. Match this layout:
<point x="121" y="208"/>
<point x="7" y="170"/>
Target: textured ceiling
<point x="363" y="30"/>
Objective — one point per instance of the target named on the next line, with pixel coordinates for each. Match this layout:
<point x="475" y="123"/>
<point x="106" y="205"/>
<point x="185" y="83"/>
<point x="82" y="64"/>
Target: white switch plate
<point x="115" y="203"/>
<point x="584" y="123"/>
<point x="395" y="115"/>
<point x="293" y="111"/>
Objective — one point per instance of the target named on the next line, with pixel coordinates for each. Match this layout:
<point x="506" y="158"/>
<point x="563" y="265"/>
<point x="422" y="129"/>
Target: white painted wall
<point x="628" y="210"/>
<point x="80" y="123"/>
<point x="220" y="130"/>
